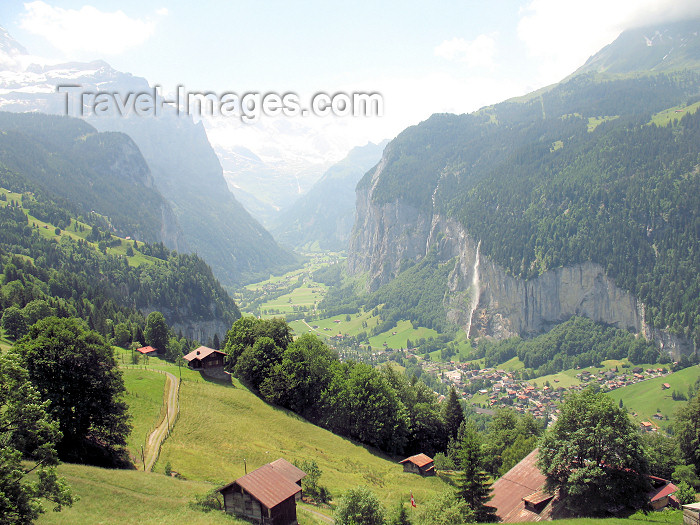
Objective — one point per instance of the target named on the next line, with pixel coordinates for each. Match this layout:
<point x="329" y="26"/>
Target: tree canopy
<point x="73" y="368"/>
<point x="594" y="456"/>
<point x="156" y="331"/>
<point x="688" y="432"/>
<point x="28" y="433"/>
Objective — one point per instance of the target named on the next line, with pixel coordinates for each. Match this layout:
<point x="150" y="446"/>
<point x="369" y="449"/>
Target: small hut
<point x="204" y="358"/>
<point x="267" y="495"/>
<point x="419" y="464"/>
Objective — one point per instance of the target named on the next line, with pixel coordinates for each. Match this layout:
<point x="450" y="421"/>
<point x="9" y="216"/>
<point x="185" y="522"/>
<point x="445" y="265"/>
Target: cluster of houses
<point x="502" y="389"/>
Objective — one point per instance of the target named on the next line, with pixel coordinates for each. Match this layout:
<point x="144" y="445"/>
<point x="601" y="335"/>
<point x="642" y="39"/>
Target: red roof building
<point x="661" y="495"/>
<point x="145" y="350"/>
<point x="519" y="494"/>
<point x="267" y="495"/>
<point x="419" y="464"/>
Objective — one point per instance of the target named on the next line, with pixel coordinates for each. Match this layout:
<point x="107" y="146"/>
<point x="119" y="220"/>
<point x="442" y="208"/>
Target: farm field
<point x="647" y="397"/>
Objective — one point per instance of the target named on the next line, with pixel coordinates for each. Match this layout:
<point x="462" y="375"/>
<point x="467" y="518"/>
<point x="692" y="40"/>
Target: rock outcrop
<point x="481" y="297"/>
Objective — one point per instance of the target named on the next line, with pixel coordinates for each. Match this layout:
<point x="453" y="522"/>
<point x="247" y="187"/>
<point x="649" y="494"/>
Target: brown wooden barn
<point x="267" y="495"/>
<point x="419" y="464"/>
<point x="204" y="358"/>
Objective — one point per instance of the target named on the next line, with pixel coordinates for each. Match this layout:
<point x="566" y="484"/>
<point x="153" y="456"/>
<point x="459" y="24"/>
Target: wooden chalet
<point x="267" y="495"/>
<point x="204" y="358"/>
<point x="662" y="494"/>
<point x="519" y="494"/>
<point x="419" y="464"/>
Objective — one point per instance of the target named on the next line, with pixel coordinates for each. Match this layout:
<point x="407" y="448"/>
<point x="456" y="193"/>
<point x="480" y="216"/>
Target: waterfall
<point x="476" y="291"/>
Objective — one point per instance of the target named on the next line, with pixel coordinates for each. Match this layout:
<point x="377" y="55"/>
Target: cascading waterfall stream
<point x="476" y="291"/>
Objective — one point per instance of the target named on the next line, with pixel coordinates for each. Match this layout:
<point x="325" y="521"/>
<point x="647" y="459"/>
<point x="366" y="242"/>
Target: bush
<point x="207" y="502"/>
<point x="443" y="462"/>
<point x="359" y="506"/>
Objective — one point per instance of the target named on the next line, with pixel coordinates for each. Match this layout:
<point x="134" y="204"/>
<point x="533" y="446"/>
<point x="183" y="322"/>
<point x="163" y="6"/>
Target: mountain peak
<point x="9" y="45"/>
<point x="658" y="48"/>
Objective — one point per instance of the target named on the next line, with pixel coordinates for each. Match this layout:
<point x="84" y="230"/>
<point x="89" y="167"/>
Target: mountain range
<point x="323" y="217"/>
<point x="184" y="167"/>
<point x="578" y="199"/>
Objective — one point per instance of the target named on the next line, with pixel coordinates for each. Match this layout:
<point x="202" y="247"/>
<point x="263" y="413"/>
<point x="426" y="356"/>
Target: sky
<point x="423" y="57"/>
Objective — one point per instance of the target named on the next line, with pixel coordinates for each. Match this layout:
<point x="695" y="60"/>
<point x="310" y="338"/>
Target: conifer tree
<point x="473" y="486"/>
<point x="454" y="416"/>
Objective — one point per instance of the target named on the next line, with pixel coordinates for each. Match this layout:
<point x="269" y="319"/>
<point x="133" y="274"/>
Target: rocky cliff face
<point x="480" y="296"/>
<point x="181" y="320"/>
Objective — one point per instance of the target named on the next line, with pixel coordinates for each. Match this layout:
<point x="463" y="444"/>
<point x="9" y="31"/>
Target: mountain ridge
<point x="183" y="164"/>
<point x="465" y="181"/>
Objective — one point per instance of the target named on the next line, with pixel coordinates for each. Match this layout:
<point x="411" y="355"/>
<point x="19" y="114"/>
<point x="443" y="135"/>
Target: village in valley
<point x="502" y="389"/>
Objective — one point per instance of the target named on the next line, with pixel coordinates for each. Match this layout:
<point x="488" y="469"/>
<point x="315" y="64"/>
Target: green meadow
<point x="646" y="398"/>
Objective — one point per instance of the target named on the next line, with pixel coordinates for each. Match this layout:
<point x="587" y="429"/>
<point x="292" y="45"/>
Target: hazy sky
<point x="424" y="57"/>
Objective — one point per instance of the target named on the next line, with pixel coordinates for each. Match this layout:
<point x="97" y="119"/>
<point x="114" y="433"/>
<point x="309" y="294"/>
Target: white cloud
<point x="87" y="29"/>
<point x="562" y="34"/>
<point x="475" y="53"/>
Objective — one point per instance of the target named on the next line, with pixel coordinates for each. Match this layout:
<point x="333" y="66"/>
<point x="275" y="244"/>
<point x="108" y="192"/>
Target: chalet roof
<point x="146" y="349"/>
<point x="538" y="497"/>
<point x="662" y="492"/>
<point x="523" y="481"/>
<point x="267" y="485"/>
<point x="419" y="460"/>
<point x="291" y="472"/>
<point x="201" y="353"/>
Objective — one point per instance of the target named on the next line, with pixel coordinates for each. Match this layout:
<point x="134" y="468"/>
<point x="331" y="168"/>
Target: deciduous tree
<point x="156" y="331"/>
<point x="26" y="432"/>
<point x="14" y="323"/>
<point x="73" y="368"/>
<point x="594" y="456"/>
<point x="359" y="506"/>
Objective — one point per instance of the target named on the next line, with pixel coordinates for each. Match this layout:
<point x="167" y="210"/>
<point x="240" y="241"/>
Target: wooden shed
<point x="267" y="495"/>
<point x="419" y="464"/>
<point x="204" y="358"/>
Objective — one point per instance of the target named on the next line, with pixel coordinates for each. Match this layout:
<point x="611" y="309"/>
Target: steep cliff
<point x="324" y="215"/>
<point x="580" y="199"/>
<point x="480" y="296"/>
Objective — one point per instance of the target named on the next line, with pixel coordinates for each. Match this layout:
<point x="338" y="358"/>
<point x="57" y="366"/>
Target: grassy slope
<point x="221" y="426"/>
<point x="129" y="496"/>
<point x="646" y="397"/>
<point x="674" y="114"/>
<point x="47" y="230"/>
<point x="144" y="395"/>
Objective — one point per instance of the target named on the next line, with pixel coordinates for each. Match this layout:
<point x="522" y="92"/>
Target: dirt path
<point x="156" y="438"/>
<point x="318" y="515"/>
<point x="312" y="328"/>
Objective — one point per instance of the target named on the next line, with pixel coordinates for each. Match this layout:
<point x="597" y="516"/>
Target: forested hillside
<point x="576" y="172"/>
<point x="88" y="172"/>
<point x="71" y="273"/>
<point x="576" y="343"/>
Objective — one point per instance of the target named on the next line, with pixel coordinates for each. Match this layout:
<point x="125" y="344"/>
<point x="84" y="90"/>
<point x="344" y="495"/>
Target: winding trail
<point x="156" y="438"/>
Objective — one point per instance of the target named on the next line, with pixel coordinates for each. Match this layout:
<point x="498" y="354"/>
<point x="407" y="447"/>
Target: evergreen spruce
<point x="473" y="486"/>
